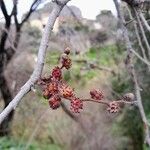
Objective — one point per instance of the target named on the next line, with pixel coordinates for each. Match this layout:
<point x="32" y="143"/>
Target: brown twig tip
<point x="67" y="50"/>
<point x="128" y="97"/>
<point x="66" y="61"/>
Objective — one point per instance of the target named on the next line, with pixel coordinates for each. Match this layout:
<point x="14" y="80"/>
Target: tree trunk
<point x="4" y="88"/>
<point x="5" y="56"/>
<point x="5" y="127"/>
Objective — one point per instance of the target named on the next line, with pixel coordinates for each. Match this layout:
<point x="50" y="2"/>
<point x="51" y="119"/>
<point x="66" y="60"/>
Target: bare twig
<point x="144" y="21"/>
<point x="136" y="3"/>
<point x="130" y="21"/>
<point x="40" y="63"/>
<point x="4" y="10"/>
<point x="142" y="31"/>
<point x="133" y="73"/>
<point x="74" y="117"/>
<point x="137" y="34"/>
<point x="141" y="58"/>
<point x="106" y="102"/>
<point x="68" y="112"/>
<point x="33" y="7"/>
<point x="93" y="65"/>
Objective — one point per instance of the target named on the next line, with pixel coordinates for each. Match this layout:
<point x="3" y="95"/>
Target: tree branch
<point x="137" y="34"/>
<point x="133" y="73"/>
<point x="7" y="26"/>
<point x="70" y="114"/>
<point x="92" y="65"/>
<point x="141" y="58"/>
<point x="136" y="3"/>
<point x="15" y="12"/>
<point x="144" y="58"/>
<point x="142" y="31"/>
<point x="77" y="119"/>
<point x="4" y="10"/>
<point x="40" y="62"/>
<point x="144" y="21"/>
<point x="33" y="7"/>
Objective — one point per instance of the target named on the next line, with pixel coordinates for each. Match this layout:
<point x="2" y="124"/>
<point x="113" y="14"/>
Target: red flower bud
<point x="96" y="95"/>
<point x="54" y="102"/>
<point x="76" y="105"/>
<point x="113" y="107"/>
<point x="53" y="87"/>
<point x="66" y="91"/>
<point x="66" y="61"/>
<point x="67" y="50"/>
<point x="128" y="97"/>
<point x="46" y="94"/>
<point x="56" y="73"/>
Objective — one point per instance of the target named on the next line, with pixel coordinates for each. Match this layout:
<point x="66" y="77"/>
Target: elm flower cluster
<point x="56" y="90"/>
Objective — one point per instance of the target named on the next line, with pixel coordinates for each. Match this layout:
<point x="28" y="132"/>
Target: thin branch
<point x="136" y="3"/>
<point x="33" y="7"/>
<point x="130" y="21"/>
<point x="7" y="26"/>
<point x="92" y="65"/>
<point x="133" y="73"/>
<point x="144" y="21"/>
<point x="15" y="12"/>
<point x="70" y="114"/>
<point x="4" y="10"/>
<point x="106" y="102"/>
<point x="40" y="61"/>
<point x="142" y="31"/>
<point x="137" y="34"/>
<point x="76" y="118"/>
<point x="141" y="58"/>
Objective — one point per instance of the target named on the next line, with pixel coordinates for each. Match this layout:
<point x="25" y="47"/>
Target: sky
<point x="89" y="8"/>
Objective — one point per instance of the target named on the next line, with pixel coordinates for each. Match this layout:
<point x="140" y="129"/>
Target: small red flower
<point x="96" y="94"/>
<point x="54" y="102"/>
<point x="46" y="94"/>
<point x="53" y="87"/>
<point x="66" y="61"/>
<point x="56" y="73"/>
<point x="113" y="107"/>
<point x="66" y="91"/>
<point x="76" y="105"/>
